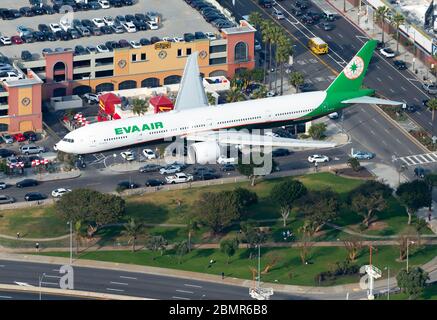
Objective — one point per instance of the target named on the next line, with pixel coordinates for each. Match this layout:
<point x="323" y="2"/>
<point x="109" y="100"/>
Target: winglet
<point x="191" y="91"/>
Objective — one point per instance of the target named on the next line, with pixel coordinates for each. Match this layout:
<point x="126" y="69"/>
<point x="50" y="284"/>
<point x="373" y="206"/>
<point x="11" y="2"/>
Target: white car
<point x="271" y="134"/>
<point x="5" y="40"/>
<point x="10" y="76"/>
<point x="104" y="4"/>
<point x="129" y="27"/>
<point x="135" y="44"/>
<point x="168" y="39"/>
<point x="210" y="35"/>
<point x="127" y="155"/>
<point x="57" y="193"/>
<point x="178" y="39"/>
<point x="387" y="52"/>
<point x="102" y="48"/>
<point x="108" y="20"/>
<point x="3" y="185"/>
<point x="152" y="25"/>
<point x="149" y="154"/>
<point x="278" y="15"/>
<point x="91" y="97"/>
<point x="225" y="160"/>
<point x="333" y="115"/>
<point x="98" y="22"/>
<point x="55" y="27"/>
<point x="318" y="158"/>
<point x="170" y="169"/>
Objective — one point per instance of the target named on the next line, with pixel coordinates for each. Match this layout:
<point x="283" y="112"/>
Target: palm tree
<point x="276" y="35"/>
<point x="398" y="19"/>
<point x="132" y="230"/>
<point x="296" y="79"/>
<point x="140" y="106"/>
<point x="381" y="14"/>
<point x="211" y="99"/>
<point x="266" y="31"/>
<point x="432" y="105"/>
<point x="255" y="19"/>
<point x="285" y="49"/>
<point x="192" y="226"/>
<point x="261" y="92"/>
<point x="235" y="95"/>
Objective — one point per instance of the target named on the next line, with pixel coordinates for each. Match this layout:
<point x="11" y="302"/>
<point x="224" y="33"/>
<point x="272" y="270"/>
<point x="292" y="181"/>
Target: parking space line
<point x="132" y="278"/>
<point x="184" y="291"/>
<point x="118" y="290"/>
<point x="119" y="283"/>
<point x="181" y="298"/>
<point x="192" y="285"/>
<point x="5" y="297"/>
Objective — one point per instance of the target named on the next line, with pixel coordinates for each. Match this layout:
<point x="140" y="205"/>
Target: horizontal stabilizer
<point x="247" y="139"/>
<point x="373" y="100"/>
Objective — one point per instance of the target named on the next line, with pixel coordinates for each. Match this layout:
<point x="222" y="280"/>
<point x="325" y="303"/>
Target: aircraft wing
<point x="373" y="100"/>
<point x="191" y="91"/>
<point x="244" y="138"/>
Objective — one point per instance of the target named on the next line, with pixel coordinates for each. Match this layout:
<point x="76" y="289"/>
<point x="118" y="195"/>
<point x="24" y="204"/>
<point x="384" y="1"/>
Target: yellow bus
<point x="318" y="46"/>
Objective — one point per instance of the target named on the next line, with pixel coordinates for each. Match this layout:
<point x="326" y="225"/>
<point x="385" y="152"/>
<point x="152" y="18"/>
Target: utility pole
<point x="71" y="242"/>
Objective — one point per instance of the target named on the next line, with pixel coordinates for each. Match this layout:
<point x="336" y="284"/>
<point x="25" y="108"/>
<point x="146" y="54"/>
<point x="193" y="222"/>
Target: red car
<point x="16" y="40"/>
<point x="19" y="137"/>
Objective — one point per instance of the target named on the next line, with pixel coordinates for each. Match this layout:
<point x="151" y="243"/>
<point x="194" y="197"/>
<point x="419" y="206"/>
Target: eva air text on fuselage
<point x="139" y="128"/>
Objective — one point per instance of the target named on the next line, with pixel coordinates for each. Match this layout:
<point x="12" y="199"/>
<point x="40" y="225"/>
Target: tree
<point x="245" y="197"/>
<point x="267" y="27"/>
<point x="252" y="235"/>
<point x="367" y="205"/>
<point x="217" y="210"/>
<point x="412" y="282"/>
<point x="432" y="105"/>
<point x="78" y="234"/>
<point x="317" y="130"/>
<point x="283" y="53"/>
<point x="211" y="99"/>
<point x="318" y="208"/>
<point x="181" y="249"/>
<point x="140" y="106"/>
<point x="372" y="186"/>
<point x="381" y="14"/>
<point x="156" y="243"/>
<point x="252" y="170"/>
<point x="255" y="19"/>
<point x="132" y="230"/>
<point x="275" y="36"/>
<point x="229" y="247"/>
<point x="398" y="19"/>
<point x="192" y="226"/>
<point x="353" y="246"/>
<point x="414" y="195"/>
<point x="235" y="95"/>
<point x="285" y="194"/>
<point x="305" y="243"/>
<point x="354" y="163"/>
<point x="296" y="79"/>
<point x="91" y="207"/>
<point x="405" y="239"/>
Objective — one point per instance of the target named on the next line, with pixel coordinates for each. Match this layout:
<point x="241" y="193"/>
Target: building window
<point x="240" y="52"/>
<point x="143" y="56"/>
<point x="217" y="61"/>
<point x="216" y="49"/>
<point x="188" y="51"/>
<point x="179" y="52"/>
<point x="134" y="57"/>
<point x="107" y="73"/>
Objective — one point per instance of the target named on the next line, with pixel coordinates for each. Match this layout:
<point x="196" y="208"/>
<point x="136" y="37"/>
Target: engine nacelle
<point x="204" y="152"/>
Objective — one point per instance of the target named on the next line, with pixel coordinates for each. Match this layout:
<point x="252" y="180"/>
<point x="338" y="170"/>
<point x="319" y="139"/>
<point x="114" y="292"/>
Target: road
<point x="124" y="283"/>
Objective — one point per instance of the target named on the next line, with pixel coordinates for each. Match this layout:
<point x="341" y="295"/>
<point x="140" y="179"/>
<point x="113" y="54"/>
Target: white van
<point x="31" y="149"/>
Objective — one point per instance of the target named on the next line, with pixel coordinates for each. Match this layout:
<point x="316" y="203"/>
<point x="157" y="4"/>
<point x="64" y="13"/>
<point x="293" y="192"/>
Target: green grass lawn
<point x="288" y="270"/>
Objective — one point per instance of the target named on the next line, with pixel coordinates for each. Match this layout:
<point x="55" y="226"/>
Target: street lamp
<point x="388" y="282"/>
<point x="40" y="280"/>
<point x="71" y="241"/>
<point x="408" y="244"/>
<point x="401" y="169"/>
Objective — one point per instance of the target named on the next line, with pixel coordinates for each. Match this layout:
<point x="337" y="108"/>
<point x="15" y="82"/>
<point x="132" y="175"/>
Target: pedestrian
<point x="37" y="247"/>
<point x="223" y="275"/>
<point x="429" y="216"/>
<point x="315" y="166"/>
<point x="18" y="235"/>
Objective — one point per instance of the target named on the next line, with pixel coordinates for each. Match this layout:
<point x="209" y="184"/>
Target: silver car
<point x="4" y="199"/>
<point x="430" y="88"/>
<point x="7" y="138"/>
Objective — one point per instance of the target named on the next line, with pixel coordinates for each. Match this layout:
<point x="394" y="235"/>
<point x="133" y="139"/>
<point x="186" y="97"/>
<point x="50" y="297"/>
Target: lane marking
<point x="2" y="265"/>
<point x="119" y="283"/>
<point x="184" y="291"/>
<point x="181" y="298"/>
<point x="192" y="285"/>
<point x="132" y="278"/>
<point x="5" y="297"/>
<point x="118" y="290"/>
<point x="51" y="283"/>
<point x="58" y="277"/>
<point x="24" y="284"/>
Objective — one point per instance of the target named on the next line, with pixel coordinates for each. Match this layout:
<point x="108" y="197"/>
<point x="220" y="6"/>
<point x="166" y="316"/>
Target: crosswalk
<point x="414" y="160"/>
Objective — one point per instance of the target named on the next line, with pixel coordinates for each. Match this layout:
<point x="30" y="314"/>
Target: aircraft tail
<point x="352" y="76"/>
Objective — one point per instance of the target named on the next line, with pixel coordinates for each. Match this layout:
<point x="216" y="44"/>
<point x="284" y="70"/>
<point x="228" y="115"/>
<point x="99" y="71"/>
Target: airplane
<point x="207" y="126"/>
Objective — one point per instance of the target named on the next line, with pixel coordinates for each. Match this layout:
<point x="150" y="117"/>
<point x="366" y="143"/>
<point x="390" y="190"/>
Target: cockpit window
<point x="68" y="140"/>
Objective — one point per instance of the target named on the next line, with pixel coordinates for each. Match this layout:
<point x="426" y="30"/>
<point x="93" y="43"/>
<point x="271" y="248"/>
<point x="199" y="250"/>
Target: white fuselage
<point x="108" y="135"/>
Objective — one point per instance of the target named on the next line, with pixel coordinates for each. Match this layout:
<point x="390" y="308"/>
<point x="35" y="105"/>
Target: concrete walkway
<point x="44" y="176"/>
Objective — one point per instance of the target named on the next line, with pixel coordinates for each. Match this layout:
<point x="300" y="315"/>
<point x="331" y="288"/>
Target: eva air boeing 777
<point x="194" y="120"/>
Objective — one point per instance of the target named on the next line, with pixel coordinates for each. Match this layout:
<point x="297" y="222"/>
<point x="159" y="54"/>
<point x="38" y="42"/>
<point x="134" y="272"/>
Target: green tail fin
<point x="351" y="78"/>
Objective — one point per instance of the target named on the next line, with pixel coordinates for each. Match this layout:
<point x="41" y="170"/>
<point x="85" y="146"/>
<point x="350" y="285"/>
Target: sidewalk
<point x="43" y="177"/>
<point x="373" y="30"/>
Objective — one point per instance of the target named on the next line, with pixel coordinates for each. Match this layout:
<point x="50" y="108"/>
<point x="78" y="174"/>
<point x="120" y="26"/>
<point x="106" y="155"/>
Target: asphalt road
<point x="124" y="283"/>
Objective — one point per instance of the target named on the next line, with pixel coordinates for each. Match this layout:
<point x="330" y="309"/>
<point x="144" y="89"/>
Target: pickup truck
<point x="179" y="177"/>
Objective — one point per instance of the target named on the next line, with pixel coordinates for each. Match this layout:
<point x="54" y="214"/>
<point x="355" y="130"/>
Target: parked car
<point x="362" y="155"/>
<point x="59" y="192"/>
<point x="169" y="169"/>
<point x="19" y="137"/>
<point x="31" y="149"/>
<point x="7" y="138"/>
<point x="34" y="196"/>
<point x="430" y="88"/>
<point x="400" y="65"/>
<point x="30" y="135"/>
<point x="102" y="48"/>
<point x="10" y="76"/>
<point x="281" y="152"/>
<point x="154" y="183"/>
<point x="387" y="52"/>
<point x="123" y="185"/>
<point x="149" y="154"/>
<point x="4" y="199"/>
<point x="3" y="185"/>
<point x="223" y="159"/>
<point x="5" y="40"/>
<point x="227" y="167"/>
<point x="26" y="55"/>
<point x="16" y="40"/>
<point x="151" y="167"/>
<point x="129" y="27"/>
<point x="26" y="183"/>
<point x="316" y="158"/>
<point x="4" y="153"/>
<point x="98" y="22"/>
<point x="104" y="4"/>
<point x="117" y="28"/>
<point x="55" y="27"/>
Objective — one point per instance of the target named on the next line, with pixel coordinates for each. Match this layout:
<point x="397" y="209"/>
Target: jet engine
<point x="204" y="152"/>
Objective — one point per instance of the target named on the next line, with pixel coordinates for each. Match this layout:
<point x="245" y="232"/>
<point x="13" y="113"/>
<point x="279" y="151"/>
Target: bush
<point x="340" y="269"/>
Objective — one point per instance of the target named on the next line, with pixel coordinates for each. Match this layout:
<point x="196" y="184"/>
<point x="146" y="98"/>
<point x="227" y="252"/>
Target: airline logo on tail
<point x="355" y="68"/>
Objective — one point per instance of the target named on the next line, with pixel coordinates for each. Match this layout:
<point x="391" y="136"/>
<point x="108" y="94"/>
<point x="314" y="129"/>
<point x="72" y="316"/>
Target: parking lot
<point x="177" y="19"/>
